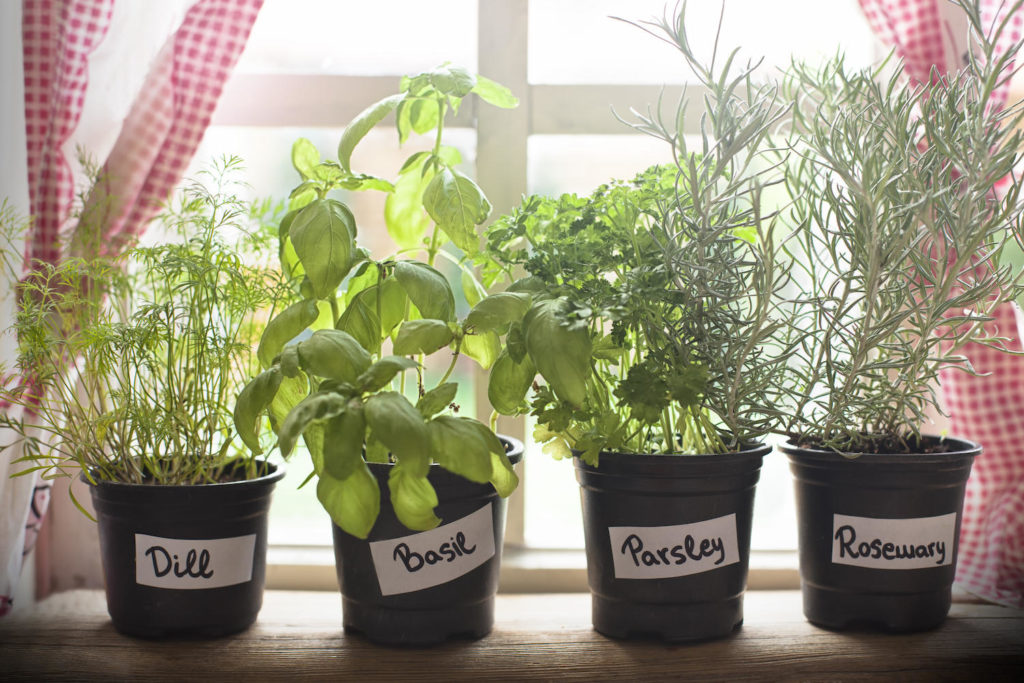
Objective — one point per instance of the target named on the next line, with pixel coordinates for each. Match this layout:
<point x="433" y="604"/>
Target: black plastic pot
<point x="184" y="560"/>
<point x="667" y="505"/>
<point x="879" y="535"/>
<point x="418" y="588"/>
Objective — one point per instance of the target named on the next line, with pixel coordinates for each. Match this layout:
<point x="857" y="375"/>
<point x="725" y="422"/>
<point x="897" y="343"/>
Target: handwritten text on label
<point x="191" y="564"/>
<point x="893" y="543"/>
<point x="430" y="558"/>
<point x="659" y="552"/>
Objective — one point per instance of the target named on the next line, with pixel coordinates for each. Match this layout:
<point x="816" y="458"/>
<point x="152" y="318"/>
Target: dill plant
<point x="127" y="368"/>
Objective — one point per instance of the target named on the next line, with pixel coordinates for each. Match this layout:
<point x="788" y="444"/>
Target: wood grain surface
<point x="536" y="637"/>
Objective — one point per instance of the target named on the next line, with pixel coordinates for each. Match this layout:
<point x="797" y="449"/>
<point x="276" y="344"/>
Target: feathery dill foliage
<point x="129" y="366"/>
<point x="675" y="276"/>
<point x="899" y="235"/>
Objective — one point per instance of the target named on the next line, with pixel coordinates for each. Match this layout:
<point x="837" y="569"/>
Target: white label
<point x="430" y="558"/>
<point x="193" y="564"/>
<point x="893" y="543"/>
<point x="662" y="552"/>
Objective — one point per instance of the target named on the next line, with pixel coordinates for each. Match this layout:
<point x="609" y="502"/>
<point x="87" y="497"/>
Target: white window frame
<point x="501" y="168"/>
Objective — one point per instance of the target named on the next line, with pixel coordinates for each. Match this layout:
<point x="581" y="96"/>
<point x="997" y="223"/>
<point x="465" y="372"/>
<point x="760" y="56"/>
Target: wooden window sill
<point x="69" y="637"/>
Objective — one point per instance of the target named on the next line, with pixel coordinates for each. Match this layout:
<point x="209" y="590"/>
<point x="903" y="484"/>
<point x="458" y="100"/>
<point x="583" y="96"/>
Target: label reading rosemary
<point x="893" y="543"/>
<point x="660" y="552"/>
<point x="193" y="564"/>
<point x="430" y="558"/>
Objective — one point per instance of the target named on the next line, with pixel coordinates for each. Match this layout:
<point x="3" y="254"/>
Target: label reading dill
<point x="185" y="564"/>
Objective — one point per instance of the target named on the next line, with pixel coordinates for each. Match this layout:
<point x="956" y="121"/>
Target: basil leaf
<point x="562" y="355"/>
<point x="343" y="441"/>
<point x="404" y="216"/>
<point x="457" y="205"/>
<point x="323" y="235"/>
<point x="361" y="125"/>
<point x="284" y="327"/>
<point x="498" y="310"/>
<point x="452" y="80"/>
<point x="289" y="361"/>
<point x="508" y="383"/>
<point x="398" y="425"/>
<point x="380" y="374"/>
<point x="359" y="319"/>
<point x="422" y="336"/>
<point x="252" y="401"/>
<point x="424" y="114"/>
<point x="413" y="498"/>
<point x="459" y="445"/>
<point x="437" y="399"/>
<point x="483" y="347"/>
<point x="471" y="288"/>
<point x="289" y="394"/>
<point x="333" y="354"/>
<point x="503" y="478"/>
<point x="314" y="407"/>
<point x="353" y="503"/>
<point x="494" y="93"/>
<point x="366" y="182"/>
<point x="305" y="158"/>
<point x="427" y="289"/>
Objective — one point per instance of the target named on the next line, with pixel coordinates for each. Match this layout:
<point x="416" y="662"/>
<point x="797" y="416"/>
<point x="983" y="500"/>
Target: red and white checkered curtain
<point x="157" y="141"/>
<point x="988" y="409"/>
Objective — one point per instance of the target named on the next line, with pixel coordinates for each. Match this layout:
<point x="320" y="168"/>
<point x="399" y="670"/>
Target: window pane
<point x="579" y="163"/>
<point x="576" y="41"/>
<point x="361" y="39"/>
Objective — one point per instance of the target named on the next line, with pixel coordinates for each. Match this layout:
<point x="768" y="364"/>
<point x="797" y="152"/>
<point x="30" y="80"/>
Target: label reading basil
<point x="893" y="543"/>
<point x="430" y="558"/>
<point x="661" y="552"/>
<point x="193" y="564"/>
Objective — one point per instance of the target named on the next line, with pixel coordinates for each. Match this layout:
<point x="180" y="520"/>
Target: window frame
<point x="320" y="100"/>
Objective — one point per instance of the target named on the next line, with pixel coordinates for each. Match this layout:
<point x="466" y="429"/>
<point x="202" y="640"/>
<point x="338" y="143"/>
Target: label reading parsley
<point x="660" y="552"/>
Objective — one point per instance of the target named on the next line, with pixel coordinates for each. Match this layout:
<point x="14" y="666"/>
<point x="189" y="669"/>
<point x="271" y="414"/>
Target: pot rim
<point x="758" y="448"/>
<point x="273" y="476"/>
<point x="515" y="452"/>
<point x="961" y="448"/>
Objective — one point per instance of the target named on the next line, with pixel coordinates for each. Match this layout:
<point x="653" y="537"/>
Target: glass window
<point x="576" y="41"/>
<point x="385" y="37"/>
<point x="574" y="50"/>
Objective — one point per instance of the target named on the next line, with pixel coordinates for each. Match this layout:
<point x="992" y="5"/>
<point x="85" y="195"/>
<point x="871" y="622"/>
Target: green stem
<point x="451" y="366"/>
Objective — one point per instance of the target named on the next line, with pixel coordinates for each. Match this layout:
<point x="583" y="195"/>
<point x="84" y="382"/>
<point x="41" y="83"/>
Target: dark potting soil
<point x="889" y="445"/>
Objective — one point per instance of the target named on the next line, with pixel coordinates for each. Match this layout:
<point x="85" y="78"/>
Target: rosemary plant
<point x="674" y="277"/>
<point x="899" y="236"/>
<point x="127" y="368"/>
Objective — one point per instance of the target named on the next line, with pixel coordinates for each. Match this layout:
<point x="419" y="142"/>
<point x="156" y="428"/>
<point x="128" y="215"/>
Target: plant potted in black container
<point x="899" y="236"/>
<point x="126" y="374"/>
<point x="654" y="327"/>
<point x="415" y="491"/>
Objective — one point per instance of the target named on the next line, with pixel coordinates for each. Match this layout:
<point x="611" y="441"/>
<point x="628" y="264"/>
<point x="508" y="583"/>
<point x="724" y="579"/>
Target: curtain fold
<point x="987" y="409"/>
<point x="156" y="142"/>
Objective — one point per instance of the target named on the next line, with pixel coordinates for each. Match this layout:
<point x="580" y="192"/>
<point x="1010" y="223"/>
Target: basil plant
<point x="355" y="387"/>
